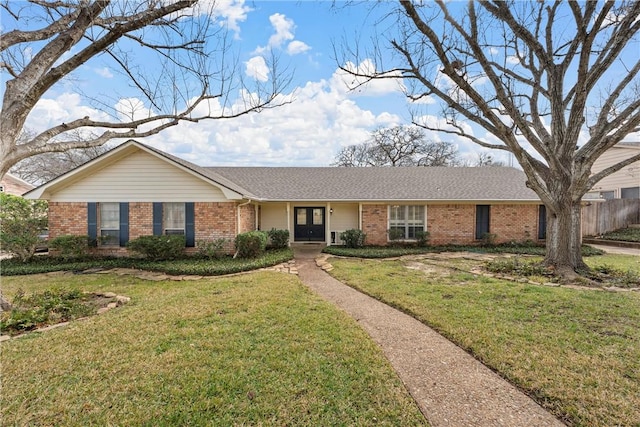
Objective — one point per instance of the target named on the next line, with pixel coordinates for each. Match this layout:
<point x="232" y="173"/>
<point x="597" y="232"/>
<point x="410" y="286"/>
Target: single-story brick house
<point x="136" y="190"/>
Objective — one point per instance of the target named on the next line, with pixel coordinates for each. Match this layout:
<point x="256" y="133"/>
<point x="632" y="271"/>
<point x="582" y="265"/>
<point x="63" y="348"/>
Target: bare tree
<point x="44" y="167"/>
<point x="44" y="42"/>
<point x="485" y="159"/>
<point x="398" y="146"/>
<point x="542" y="77"/>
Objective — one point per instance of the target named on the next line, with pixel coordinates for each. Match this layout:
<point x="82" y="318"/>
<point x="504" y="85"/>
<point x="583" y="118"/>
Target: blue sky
<point x="324" y="116"/>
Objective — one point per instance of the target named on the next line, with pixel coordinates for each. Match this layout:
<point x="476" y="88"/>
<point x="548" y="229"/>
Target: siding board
<point x="140" y="177"/>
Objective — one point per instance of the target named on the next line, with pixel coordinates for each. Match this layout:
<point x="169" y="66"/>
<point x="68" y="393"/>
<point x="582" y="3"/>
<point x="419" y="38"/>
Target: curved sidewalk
<point x="450" y="387"/>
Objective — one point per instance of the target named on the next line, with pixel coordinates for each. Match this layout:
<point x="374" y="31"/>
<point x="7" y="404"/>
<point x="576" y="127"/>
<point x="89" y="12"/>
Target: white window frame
<point x="406" y="222"/>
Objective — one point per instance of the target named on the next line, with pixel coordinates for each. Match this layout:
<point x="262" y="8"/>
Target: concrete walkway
<point x="450" y="387"/>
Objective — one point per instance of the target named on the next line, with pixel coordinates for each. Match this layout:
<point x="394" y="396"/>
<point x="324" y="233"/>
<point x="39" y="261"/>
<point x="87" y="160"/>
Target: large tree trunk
<point x="564" y="239"/>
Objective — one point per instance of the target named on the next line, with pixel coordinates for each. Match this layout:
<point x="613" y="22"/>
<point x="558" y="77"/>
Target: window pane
<point x="408" y="220"/>
<point x="301" y="217"/>
<point x="109" y="216"/>
<point x="173" y="216"/>
<point x="317" y="217"/>
<point x="109" y="237"/>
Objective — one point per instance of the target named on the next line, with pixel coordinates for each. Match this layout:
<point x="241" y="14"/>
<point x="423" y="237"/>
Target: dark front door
<point x="308" y="224"/>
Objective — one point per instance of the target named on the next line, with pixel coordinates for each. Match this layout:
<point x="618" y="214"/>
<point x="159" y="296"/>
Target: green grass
<point x="574" y="351"/>
<point x="255" y="349"/>
<point x="624" y="234"/>
<point x="184" y="266"/>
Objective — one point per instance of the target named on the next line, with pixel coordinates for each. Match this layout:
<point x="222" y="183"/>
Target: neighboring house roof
<point x="382" y="183"/>
<point x="332" y="183"/>
<point x="11" y="184"/>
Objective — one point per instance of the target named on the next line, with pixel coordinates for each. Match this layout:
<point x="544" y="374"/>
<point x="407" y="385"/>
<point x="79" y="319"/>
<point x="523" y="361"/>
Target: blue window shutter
<point x="92" y="223"/>
<point x="124" y="223"/>
<point x="189" y="226"/>
<point x="157" y="219"/>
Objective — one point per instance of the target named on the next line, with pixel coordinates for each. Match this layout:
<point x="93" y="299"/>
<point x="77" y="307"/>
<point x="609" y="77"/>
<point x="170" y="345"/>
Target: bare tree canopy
<point x="44" y="167"/>
<point x="44" y="42"/>
<point x="398" y="146"/>
<point x="554" y="83"/>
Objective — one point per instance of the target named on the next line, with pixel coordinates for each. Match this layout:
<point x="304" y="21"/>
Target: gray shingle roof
<point x="378" y="184"/>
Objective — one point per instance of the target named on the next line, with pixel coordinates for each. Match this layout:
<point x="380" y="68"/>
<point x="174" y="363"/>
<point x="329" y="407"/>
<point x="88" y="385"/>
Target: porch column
<point x="291" y="237"/>
<point x="327" y="234"/>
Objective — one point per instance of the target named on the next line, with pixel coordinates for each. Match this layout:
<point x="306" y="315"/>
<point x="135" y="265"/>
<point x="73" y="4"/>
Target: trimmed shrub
<point x="422" y="238"/>
<point x="279" y="238"/>
<point x="251" y="244"/>
<point x="212" y="249"/>
<point x="353" y="238"/>
<point x="396" y="236"/>
<point x="158" y="248"/>
<point x="70" y="246"/>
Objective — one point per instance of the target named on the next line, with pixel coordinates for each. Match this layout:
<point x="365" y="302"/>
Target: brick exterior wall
<point x="67" y="218"/>
<point x="514" y="222"/>
<point x="455" y="223"/>
<point x="212" y="221"/>
<point x="247" y="218"/>
<point x="451" y="224"/>
<point x="375" y="223"/>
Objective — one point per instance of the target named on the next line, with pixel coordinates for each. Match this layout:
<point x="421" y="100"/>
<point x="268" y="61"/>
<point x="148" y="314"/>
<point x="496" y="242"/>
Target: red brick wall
<point x="140" y="219"/>
<point x="247" y="218"/>
<point x="514" y="222"/>
<point x="455" y="223"/>
<point x="374" y="224"/>
<point x="212" y="221"/>
<point x="67" y="218"/>
<point x="451" y="224"/>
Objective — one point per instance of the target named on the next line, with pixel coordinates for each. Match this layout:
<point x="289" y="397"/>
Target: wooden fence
<point x="602" y="217"/>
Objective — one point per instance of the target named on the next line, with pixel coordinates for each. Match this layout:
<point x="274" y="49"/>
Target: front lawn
<point x="576" y="352"/>
<point x="255" y="349"/>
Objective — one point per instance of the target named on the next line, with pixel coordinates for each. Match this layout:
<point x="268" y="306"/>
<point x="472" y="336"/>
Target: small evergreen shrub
<point x="488" y="239"/>
<point x="422" y="238"/>
<point x="251" y="244"/>
<point x="279" y="238"/>
<point x="212" y="249"/>
<point x="70" y="246"/>
<point x="158" y="248"/>
<point x="395" y="236"/>
<point x="353" y="238"/>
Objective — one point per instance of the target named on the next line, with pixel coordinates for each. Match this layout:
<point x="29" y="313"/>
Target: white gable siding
<point x="139" y="177"/>
<point x="629" y="176"/>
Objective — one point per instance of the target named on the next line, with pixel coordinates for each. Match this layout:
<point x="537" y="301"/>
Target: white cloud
<point x="104" y="72"/>
<point x="256" y="67"/>
<point x="284" y="29"/>
<point x="296" y="47"/>
<point x="284" y="32"/>
<point x="229" y="13"/>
